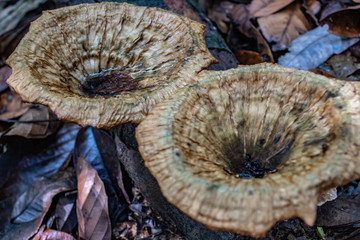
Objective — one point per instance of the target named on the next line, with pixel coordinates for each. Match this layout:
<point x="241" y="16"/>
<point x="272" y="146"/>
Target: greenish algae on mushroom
<point x="247" y="147"/>
<point x="107" y="63"/>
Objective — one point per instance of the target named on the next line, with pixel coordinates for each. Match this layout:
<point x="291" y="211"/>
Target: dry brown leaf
<point x="248" y="57"/>
<point x="11" y="105"/>
<point x="92" y="204"/>
<point x="262" y="8"/>
<point x="28" y="126"/>
<point x="344" y="23"/>
<point x="284" y="26"/>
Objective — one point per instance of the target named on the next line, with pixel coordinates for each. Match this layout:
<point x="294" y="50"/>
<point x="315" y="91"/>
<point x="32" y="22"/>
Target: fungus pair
<point x="236" y="150"/>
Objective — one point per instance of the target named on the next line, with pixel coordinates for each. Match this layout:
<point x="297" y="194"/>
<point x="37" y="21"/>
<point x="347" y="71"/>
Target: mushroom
<point x="107" y="63"/>
<point x="247" y="147"/>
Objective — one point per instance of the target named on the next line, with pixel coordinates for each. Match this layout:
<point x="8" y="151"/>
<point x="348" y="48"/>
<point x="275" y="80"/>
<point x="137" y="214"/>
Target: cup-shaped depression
<point x="250" y="146"/>
<point x="107" y="63"/>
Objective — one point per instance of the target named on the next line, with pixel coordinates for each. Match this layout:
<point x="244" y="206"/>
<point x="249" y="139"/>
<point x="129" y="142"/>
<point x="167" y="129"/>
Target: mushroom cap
<point x="142" y="55"/>
<point x="205" y="145"/>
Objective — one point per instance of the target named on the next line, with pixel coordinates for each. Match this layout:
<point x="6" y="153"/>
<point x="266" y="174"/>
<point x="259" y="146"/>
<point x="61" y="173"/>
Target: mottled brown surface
<point x="303" y="126"/>
<point x="161" y="51"/>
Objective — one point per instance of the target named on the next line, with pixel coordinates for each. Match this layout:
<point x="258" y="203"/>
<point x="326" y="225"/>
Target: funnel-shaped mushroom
<point x="250" y="146"/>
<point x="107" y="63"/>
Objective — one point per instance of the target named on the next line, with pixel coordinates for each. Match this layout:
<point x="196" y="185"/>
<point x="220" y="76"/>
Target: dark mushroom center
<point x="245" y="160"/>
<point x="107" y="83"/>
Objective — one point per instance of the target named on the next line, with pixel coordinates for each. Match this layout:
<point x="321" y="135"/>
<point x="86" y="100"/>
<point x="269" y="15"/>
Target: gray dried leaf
<point x="313" y="48"/>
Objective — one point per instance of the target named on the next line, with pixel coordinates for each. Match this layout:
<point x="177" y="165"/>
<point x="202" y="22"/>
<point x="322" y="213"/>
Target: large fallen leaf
<point x="98" y="148"/>
<point x="37" y="122"/>
<point x="65" y="212"/>
<point x="36" y="200"/>
<point x="284" y="26"/>
<point x="43" y="160"/>
<point x="345" y="22"/>
<point x="313" y="48"/>
<point x="92" y="203"/>
<point x="262" y="8"/>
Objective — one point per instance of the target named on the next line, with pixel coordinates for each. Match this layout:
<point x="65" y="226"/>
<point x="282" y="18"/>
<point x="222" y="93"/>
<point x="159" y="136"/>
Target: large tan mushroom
<point x="250" y="146"/>
<point x="107" y="63"/>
